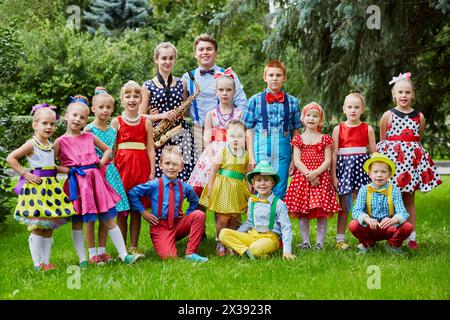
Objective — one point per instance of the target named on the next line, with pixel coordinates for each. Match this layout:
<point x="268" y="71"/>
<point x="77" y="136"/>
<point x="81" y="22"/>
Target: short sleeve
<point x="297" y="141"/>
<point x="327" y="141"/>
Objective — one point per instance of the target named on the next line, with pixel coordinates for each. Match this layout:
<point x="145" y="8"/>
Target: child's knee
<point x="199" y="215"/>
<point x="353" y="226"/>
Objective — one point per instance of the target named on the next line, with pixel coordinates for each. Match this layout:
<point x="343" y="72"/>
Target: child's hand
<point x="289" y="256"/>
<point x="387" y="222"/>
<point x="373" y="224"/>
<point x="292" y="168"/>
<point x="101" y="164"/>
<point x="169" y="115"/>
<point x="150" y="218"/>
<point x="32" y="178"/>
<point x="153" y="111"/>
<point x="311" y="175"/>
<point x="335" y="182"/>
<point x="152" y="176"/>
<point x="315" y="182"/>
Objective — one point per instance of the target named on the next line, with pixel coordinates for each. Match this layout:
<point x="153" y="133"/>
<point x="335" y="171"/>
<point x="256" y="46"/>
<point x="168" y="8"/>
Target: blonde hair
<point x="101" y="92"/>
<point x="79" y="97"/>
<point x="170" y="150"/>
<point x="130" y="86"/>
<point x="38" y="112"/>
<point x="357" y="95"/>
<point x="164" y="45"/>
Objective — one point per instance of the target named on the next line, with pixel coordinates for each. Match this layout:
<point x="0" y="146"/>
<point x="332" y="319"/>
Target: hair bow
<point x="100" y="90"/>
<point x="228" y="72"/>
<point x="80" y="100"/>
<point x="36" y="107"/>
<point x="401" y="76"/>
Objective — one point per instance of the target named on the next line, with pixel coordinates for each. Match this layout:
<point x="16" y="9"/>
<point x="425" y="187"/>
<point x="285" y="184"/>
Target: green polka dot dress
<point x="112" y="175"/>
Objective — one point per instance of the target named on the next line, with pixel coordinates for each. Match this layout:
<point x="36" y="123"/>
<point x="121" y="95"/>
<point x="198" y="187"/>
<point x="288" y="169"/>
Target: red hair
<point x="275" y="64"/>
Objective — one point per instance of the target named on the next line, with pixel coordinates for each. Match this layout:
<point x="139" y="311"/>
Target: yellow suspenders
<point x="390" y="201"/>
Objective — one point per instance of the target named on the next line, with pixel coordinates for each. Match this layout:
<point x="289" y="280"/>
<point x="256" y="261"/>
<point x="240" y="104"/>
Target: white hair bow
<point x="401" y="76"/>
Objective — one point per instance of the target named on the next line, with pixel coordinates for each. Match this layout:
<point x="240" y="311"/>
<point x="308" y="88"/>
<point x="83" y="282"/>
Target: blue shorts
<point x="92" y="217"/>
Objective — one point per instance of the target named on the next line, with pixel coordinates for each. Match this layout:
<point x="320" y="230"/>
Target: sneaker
<point x="196" y="258"/>
<point x="413" y="245"/>
<point x="394" y="250"/>
<point x="363" y="250"/>
<point x="96" y="260"/>
<point x="318" y="246"/>
<point x="136" y="251"/>
<point x="305" y="246"/>
<point x="39" y="267"/>
<point x="221" y="250"/>
<point x="106" y="258"/>
<point x="84" y="264"/>
<point x="131" y="258"/>
<point x="48" y="267"/>
<point x="341" y="245"/>
<point x="250" y="254"/>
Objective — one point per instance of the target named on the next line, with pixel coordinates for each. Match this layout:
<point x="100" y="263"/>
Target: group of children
<point x="248" y="155"/>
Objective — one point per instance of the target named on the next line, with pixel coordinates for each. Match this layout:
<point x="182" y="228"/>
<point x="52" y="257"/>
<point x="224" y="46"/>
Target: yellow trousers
<point x="259" y="244"/>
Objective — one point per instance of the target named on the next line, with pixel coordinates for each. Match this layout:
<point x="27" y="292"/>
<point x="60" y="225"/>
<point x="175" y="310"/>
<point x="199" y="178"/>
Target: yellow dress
<point x="229" y="195"/>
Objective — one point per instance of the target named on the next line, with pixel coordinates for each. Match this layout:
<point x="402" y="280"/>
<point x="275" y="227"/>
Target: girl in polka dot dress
<point x="311" y="194"/>
<point x="215" y="133"/>
<point x="160" y="96"/>
<point x="103" y="107"/>
<point x="351" y="141"/>
<point x="227" y="192"/>
<point x="42" y="205"/>
<point x="400" y="131"/>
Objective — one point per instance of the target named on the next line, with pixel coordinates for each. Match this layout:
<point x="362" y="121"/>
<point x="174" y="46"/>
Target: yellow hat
<point x="379" y="157"/>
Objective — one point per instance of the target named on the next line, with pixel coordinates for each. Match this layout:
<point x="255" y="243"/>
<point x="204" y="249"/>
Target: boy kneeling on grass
<point x="168" y="223"/>
<point x="379" y="212"/>
<point x="267" y="219"/>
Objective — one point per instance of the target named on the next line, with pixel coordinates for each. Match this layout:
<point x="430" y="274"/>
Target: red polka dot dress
<point x="304" y="200"/>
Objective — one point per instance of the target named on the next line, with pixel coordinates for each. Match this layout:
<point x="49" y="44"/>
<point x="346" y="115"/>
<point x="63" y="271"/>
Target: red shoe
<point x="47" y="267"/>
<point x="413" y="245"/>
<point x="105" y="257"/>
<point x="96" y="260"/>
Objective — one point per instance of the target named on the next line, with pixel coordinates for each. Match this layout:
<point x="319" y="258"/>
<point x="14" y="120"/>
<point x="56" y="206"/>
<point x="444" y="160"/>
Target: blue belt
<point x="73" y="180"/>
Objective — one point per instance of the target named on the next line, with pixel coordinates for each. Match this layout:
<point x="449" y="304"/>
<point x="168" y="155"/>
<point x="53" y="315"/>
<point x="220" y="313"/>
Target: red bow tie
<point x="278" y="97"/>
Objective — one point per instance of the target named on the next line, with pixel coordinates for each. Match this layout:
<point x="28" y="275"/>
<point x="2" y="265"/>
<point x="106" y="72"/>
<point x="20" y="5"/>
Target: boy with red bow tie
<point x="273" y="118"/>
<point x="168" y="223"/>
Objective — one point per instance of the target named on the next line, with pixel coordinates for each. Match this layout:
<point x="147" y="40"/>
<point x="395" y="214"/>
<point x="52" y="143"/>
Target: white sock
<point x="46" y="249"/>
<point x="340" y="237"/>
<point x="101" y="250"/>
<point x="35" y="243"/>
<point x="92" y="252"/>
<point x="78" y="242"/>
<point x="321" y="230"/>
<point x="304" y="229"/>
<point x="412" y="236"/>
<point x="117" y="240"/>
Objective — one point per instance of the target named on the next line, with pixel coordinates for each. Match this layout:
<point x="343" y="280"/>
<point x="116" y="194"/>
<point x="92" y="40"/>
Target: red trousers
<point x="394" y="235"/>
<point x="164" y="239"/>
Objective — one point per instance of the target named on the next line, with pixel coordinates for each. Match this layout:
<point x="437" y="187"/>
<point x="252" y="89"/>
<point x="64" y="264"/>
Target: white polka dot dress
<point x="304" y="200"/>
<point x="415" y="170"/>
<point x="185" y="140"/>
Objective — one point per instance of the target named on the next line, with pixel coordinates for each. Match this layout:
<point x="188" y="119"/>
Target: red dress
<point x="133" y="164"/>
<point x="304" y="200"/>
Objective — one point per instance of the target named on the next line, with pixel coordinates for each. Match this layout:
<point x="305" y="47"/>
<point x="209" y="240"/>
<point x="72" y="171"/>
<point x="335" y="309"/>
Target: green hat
<point x="379" y="157"/>
<point x="265" y="169"/>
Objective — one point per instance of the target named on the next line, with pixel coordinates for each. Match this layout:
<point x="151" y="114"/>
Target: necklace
<point x="44" y="147"/>
<point x="237" y="155"/>
<point x="224" y="119"/>
<point x="131" y="120"/>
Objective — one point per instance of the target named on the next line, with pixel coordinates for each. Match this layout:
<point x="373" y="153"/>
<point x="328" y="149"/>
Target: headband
<point x="100" y="90"/>
<point x="228" y="72"/>
<point x="401" y="76"/>
<point x="36" y="107"/>
<point x="316" y="107"/>
<point x="80" y="100"/>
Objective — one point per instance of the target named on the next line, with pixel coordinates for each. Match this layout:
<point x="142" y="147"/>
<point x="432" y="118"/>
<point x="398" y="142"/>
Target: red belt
<point x="407" y="138"/>
<point x="219" y="134"/>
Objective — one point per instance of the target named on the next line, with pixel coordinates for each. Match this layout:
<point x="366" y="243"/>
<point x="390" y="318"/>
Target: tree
<point x="112" y="17"/>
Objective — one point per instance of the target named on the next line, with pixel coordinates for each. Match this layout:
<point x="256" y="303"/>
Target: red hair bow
<point x="228" y="72"/>
<point x="278" y="97"/>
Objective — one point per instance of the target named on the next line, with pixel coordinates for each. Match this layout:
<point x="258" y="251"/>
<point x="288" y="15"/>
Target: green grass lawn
<point x="327" y="274"/>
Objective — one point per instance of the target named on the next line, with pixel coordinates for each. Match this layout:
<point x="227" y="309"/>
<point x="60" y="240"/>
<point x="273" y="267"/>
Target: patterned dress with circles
<point x="349" y="167"/>
<point x="228" y="195"/>
<point x="44" y="205"/>
<point x="200" y="174"/>
<point x="304" y="200"/>
<point x="415" y="170"/>
<point x="109" y="136"/>
<point x="185" y="140"/>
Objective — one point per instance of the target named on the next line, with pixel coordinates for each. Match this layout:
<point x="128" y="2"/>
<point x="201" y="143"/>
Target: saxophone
<point x="165" y="129"/>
